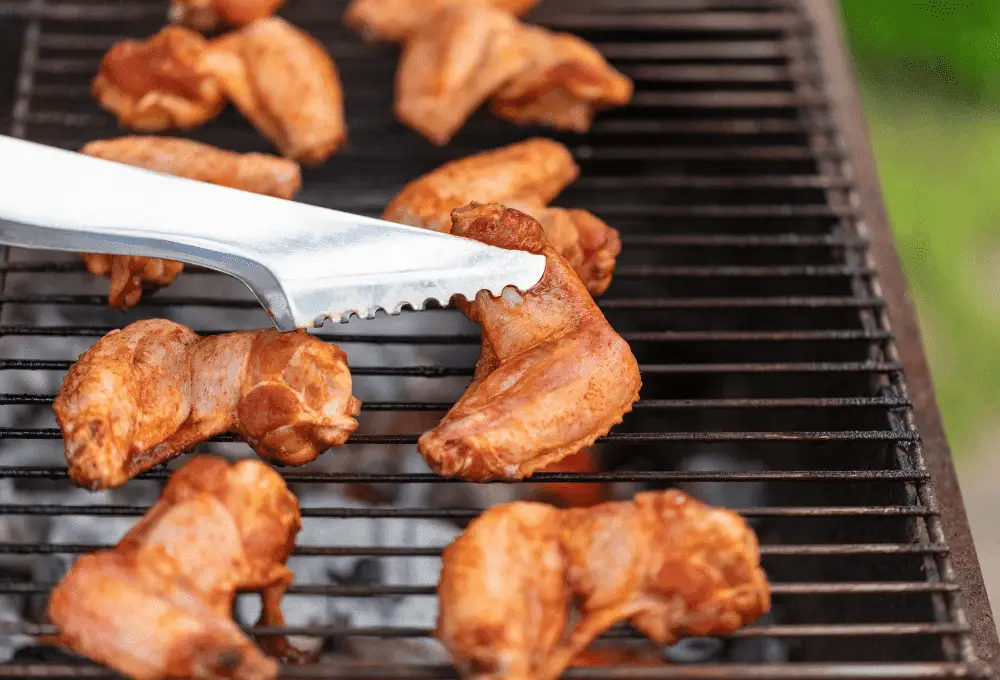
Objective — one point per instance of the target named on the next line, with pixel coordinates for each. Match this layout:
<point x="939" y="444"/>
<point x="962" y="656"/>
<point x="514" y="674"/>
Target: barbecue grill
<point x="758" y="286"/>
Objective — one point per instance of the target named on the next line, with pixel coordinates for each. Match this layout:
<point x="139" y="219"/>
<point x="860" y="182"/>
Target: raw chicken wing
<point x="526" y="175"/>
<point x="260" y="173"/>
<point x="206" y="15"/>
<point x="553" y="375"/>
<point x="155" y="389"/>
<point x="159" y="604"/>
<point x="565" y="81"/>
<point x="284" y="81"/>
<point x="666" y="563"/>
<point x="158" y="84"/>
<point x="467" y="53"/>
<point x="396" y="20"/>
<point x="452" y="65"/>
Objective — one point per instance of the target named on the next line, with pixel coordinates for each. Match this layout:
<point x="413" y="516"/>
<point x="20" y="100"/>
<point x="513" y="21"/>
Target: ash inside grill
<point x="745" y="287"/>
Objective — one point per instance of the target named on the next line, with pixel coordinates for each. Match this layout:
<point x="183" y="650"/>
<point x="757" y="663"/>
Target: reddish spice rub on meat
<point x="256" y="172"/>
<point x="527" y="588"/>
<point x="158" y="84"/>
<point x="155" y="389"/>
<point x="206" y="15"/>
<point x="159" y="604"/>
<point x="553" y="375"/>
<point x="396" y="20"/>
<point x="527" y="176"/>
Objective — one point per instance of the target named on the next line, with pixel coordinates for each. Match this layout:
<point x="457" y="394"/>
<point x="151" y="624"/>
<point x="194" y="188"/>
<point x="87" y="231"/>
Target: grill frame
<point x="838" y="141"/>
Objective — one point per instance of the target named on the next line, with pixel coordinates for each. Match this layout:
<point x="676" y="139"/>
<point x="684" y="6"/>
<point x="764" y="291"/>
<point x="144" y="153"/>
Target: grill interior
<point x="771" y="382"/>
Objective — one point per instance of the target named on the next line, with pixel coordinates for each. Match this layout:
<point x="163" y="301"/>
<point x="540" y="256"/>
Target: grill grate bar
<point x="675" y="476"/>
<point x="460" y="513"/>
<point x="644" y="404"/>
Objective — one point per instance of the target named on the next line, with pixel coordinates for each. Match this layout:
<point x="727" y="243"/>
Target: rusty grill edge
<point x="758" y="273"/>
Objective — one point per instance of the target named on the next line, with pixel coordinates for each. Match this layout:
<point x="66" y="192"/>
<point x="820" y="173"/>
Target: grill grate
<point x="747" y="287"/>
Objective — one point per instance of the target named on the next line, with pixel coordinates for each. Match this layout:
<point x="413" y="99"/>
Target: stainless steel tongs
<point x="305" y="264"/>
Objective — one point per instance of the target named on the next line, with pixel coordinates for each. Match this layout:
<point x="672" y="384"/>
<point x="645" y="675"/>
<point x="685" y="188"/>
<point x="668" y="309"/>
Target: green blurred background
<point x="930" y="77"/>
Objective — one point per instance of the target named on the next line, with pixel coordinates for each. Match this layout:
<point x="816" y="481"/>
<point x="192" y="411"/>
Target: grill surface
<point x="748" y="287"/>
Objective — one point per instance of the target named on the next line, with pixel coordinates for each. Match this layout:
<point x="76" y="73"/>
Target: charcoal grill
<point x="758" y="286"/>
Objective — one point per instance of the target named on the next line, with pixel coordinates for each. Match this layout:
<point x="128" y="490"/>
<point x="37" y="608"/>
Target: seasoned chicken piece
<point x="553" y="375"/>
<point x="572" y="494"/>
<point x="452" y="65"/>
<point x="159" y="604"/>
<point x="532" y="172"/>
<point x="255" y="172"/>
<point x="396" y="20"/>
<point x="526" y="175"/>
<point x="666" y="563"/>
<point x="158" y="84"/>
<point x="502" y="594"/>
<point x="206" y="15"/>
<point x="155" y="389"/>
<point x="564" y="82"/>
<point x="284" y="81"/>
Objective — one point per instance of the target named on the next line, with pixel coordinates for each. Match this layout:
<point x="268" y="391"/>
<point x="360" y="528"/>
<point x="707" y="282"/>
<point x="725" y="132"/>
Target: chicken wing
<point x="206" y="15"/>
<point x="467" y="53"/>
<point x="283" y="80"/>
<point x="452" y="65"/>
<point x="553" y="375"/>
<point x="158" y="84"/>
<point x="155" y="389"/>
<point x="526" y="175"/>
<point x="396" y="20"/>
<point x="564" y="82"/>
<point x="666" y="563"/>
<point x="255" y="172"/>
<point x="159" y="604"/>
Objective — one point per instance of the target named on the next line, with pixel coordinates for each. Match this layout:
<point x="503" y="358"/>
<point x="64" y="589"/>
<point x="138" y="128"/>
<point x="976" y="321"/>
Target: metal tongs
<point x="305" y="264"/>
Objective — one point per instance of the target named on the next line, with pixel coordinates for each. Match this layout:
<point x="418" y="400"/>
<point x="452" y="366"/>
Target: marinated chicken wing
<point x="526" y="175"/>
<point x="396" y="20"/>
<point x="255" y="172"/>
<point x="470" y="52"/>
<point x="565" y="81"/>
<point x="155" y="389"/>
<point x="158" y="84"/>
<point x="159" y="604"/>
<point x="667" y="564"/>
<point x="206" y="15"/>
<point x="452" y="65"/>
<point x="553" y="375"/>
<point x="284" y="81"/>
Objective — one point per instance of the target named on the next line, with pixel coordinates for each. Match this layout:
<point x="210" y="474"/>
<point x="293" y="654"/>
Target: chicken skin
<point x="553" y="375"/>
<point x="396" y="20"/>
<point x="451" y="66"/>
<point x="468" y="53"/>
<point x="254" y="172"/>
<point x="159" y="604"/>
<point x="667" y="564"/>
<point x="158" y="84"/>
<point x="526" y="175"/>
<point x="155" y="389"/>
<point x="206" y="15"/>
<point x="286" y="84"/>
<point x="565" y="82"/>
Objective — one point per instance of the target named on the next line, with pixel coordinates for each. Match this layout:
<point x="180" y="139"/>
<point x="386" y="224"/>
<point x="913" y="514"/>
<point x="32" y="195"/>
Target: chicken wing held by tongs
<point x="527" y="176"/>
<point x="155" y="389"/>
<point x="553" y="375"/>
<point x="159" y="604"/>
<point x="259" y="173"/>
<point x="527" y="588"/>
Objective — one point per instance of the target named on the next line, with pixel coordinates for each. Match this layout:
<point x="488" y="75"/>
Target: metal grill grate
<point x="746" y="288"/>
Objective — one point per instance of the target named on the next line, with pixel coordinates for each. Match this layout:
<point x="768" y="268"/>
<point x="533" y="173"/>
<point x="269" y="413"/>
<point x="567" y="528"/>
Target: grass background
<point x="930" y="74"/>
